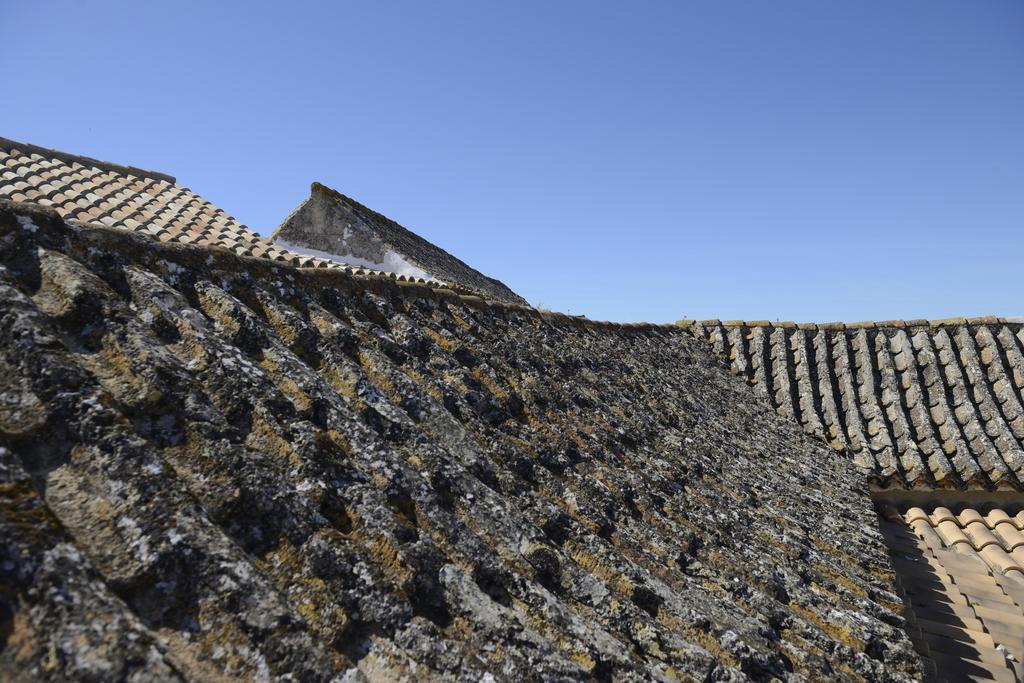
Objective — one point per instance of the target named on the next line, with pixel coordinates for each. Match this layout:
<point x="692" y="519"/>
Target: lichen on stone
<point x="218" y="469"/>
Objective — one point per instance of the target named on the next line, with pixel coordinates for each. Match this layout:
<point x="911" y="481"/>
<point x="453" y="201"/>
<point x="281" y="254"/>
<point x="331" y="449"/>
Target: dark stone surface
<point x="216" y="468"/>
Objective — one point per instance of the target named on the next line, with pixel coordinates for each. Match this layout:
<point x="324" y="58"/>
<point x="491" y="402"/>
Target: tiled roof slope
<point x="219" y="468"/>
<point x="962" y="579"/>
<point x="330" y="222"/>
<point x="130" y="198"/>
<point x="919" y="404"/>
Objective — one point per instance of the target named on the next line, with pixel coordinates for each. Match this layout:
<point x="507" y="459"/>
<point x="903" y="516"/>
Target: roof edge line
<point x="375" y="281"/>
<point x="85" y="161"/>
<point x="868" y="324"/>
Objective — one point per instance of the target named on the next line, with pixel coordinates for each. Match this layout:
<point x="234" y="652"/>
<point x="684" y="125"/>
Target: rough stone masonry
<point x="219" y="468"/>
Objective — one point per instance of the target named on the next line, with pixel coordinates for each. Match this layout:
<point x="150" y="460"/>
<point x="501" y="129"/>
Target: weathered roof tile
<point x="937" y="406"/>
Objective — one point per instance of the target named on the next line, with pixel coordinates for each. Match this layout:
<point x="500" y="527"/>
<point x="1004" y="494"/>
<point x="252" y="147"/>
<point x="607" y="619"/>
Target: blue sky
<point x="628" y="161"/>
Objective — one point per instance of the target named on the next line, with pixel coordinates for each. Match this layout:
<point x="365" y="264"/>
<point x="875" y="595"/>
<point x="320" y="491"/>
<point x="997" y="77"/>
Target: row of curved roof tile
<point x="92" y="191"/>
<point x="933" y="405"/>
<point x="962" y="580"/>
<point x="995" y="536"/>
<point x="864" y="324"/>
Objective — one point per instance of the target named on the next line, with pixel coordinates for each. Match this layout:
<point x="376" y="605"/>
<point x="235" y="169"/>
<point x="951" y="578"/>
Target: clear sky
<point x="793" y="160"/>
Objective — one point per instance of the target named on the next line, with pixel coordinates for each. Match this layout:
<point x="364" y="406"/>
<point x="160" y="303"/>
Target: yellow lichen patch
<point x="843" y="559"/>
<point x="309" y="595"/>
<point x="588" y="562"/>
<point x="458" y="320"/>
<point x="379" y="379"/>
<point x="830" y="548"/>
<point x="262" y="437"/>
<point x="573" y="428"/>
<point x="623" y="585"/>
<point x="793" y="643"/>
<point x="364" y="335"/>
<point x="21" y="411"/>
<point x="511" y="559"/>
<point x="342" y="380"/>
<point x="892" y="606"/>
<point x="461" y="627"/>
<point x="424" y="383"/>
<point x="21" y="506"/>
<point x="24" y="641"/>
<point x="217" y="306"/>
<point x="337" y="440"/>
<point x="496" y="654"/>
<point x="600" y="423"/>
<point x="833" y="631"/>
<point x="521" y="385"/>
<point x="516" y="442"/>
<point x="442" y="341"/>
<point x="191" y="350"/>
<point x="325" y="322"/>
<point x="774" y="541"/>
<point x="655" y="548"/>
<point x="676" y="675"/>
<point x="839" y="579"/>
<point x="674" y="516"/>
<point x="116" y="369"/>
<point x="541" y="427"/>
<point x="200" y="474"/>
<point x="696" y="636"/>
<point x="489" y="382"/>
<point x="616" y="581"/>
<point x="886" y="574"/>
<point x="620" y="413"/>
<point x="289" y="387"/>
<point x="831" y="596"/>
<point x="376" y="667"/>
<point x="585" y="661"/>
<point x="389" y="559"/>
<point x="285" y="330"/>
<point x="218" y="643"/>
<point x="569" y="649"/>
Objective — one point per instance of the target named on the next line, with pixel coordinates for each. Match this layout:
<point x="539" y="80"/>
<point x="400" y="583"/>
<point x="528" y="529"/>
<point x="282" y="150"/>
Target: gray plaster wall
<point x="330" y="222"/>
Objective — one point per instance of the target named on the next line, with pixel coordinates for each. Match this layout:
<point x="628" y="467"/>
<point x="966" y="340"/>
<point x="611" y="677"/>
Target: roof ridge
<point x="866" y="324"/>
<point x="7" y="143"/>
<point x="432" y="288"/>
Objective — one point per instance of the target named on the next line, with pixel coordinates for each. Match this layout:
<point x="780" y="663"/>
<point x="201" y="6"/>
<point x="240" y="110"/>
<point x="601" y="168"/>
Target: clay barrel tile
<point x="969" y="515"/>
<point x="997" y="516"/>
<point x="941" y="514"/>
<point x="952" y="534"/>
<point x="927" y="534"/>
<point x="914" y="514"/>
<point x="998" y="558"/>
<point x="980" y="535"/>
<point x="1011" y="536"/>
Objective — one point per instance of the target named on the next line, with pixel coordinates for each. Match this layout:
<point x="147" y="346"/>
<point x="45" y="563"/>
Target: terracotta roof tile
<point x="125" y="197"/>
<point x="964" y="598"/>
